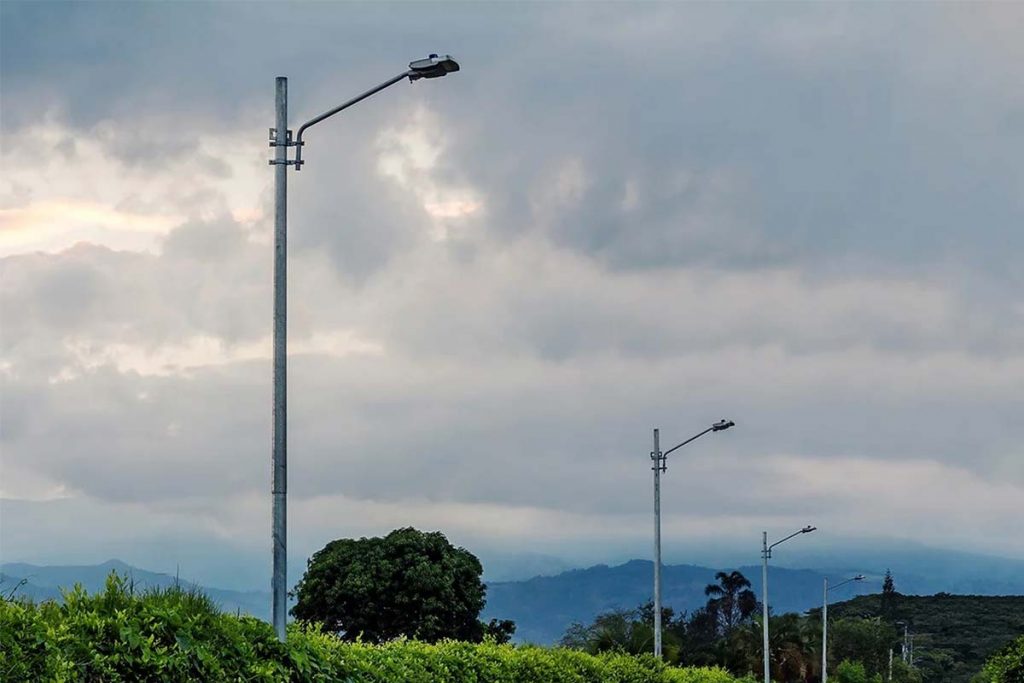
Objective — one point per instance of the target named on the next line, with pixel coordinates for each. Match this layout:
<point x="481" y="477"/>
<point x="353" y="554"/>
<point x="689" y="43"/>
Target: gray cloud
<point x="800" y="217"/>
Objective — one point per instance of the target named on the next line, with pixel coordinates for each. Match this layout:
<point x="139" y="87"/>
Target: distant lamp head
<point x="808" y="529"/>
<point x="433" y="66"/>
<point x="722" y="425"/>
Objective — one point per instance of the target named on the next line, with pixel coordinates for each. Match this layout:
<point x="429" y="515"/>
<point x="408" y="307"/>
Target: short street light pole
<point x="281" y="139"/>
<point x="766" y="553"/>
<point x="659" y="466"/>
<point x="824" y="623"/>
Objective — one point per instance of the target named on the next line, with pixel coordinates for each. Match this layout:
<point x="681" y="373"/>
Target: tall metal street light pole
<point x="824" y="623"/>
<point x="659" y="466"/>
<point x="766" y="553"/>
<point x="281" y="139"/>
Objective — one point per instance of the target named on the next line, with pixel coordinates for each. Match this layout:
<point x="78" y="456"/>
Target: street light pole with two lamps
<point x="281" y="139"/>
<point x="766" y="553"/>
<point x="659" y="466"/>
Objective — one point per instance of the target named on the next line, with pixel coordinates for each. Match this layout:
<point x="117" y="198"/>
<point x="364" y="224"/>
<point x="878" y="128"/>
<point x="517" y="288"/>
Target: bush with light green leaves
<point x="177" y="635"/>
<point x="1006" y="666"/>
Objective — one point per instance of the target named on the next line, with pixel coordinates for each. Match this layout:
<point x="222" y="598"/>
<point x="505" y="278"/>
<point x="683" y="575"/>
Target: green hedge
<point x="174" y="635"/>
<point x="1006" y="666"/>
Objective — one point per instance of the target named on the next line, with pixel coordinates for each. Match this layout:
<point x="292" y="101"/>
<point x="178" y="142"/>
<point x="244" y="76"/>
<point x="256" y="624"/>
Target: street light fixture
<point x="659" y="466"/>
<point x="281" y="139"/>
<point x="766" y="553"/>
<point x="432" y="67"/>
<point x="824" y="623"/>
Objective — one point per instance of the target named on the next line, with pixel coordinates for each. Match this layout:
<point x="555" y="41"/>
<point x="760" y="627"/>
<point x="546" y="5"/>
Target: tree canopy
<point x="408" y="583"/>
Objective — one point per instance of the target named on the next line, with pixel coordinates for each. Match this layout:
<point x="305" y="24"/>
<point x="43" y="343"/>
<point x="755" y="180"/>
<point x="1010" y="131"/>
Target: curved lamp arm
<point x="327" y="114"/>
<point x="717" y="427"/>
<point x="806" y="530"/>
<point x="433" y="66"/>
<point x="859" y="577"/>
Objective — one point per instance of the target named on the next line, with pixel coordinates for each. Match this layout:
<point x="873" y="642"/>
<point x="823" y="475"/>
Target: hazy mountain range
<point x="45" y="582"/>
<point x="544" y="606"/>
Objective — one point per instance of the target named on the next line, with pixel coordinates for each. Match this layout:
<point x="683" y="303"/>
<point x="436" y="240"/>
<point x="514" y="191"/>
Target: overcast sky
<point x="807" y="218"/>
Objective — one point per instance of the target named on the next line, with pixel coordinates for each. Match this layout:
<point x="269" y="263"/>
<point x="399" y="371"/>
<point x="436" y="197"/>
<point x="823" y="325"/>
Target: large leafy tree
<point x="408" y="583"/>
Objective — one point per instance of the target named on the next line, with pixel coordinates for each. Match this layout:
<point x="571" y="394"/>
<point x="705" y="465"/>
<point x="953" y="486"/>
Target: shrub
<point x="1006" y="666"/>
<point x="177" y="635"/>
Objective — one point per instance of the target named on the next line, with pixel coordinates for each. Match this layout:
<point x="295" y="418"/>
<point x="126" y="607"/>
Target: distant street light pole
<point x="824" y="623"/>
<point x="766" y="553"/>
<point x="659" y="466"/>
<point x="281" y="139"/>
<point x="906" y="640"/>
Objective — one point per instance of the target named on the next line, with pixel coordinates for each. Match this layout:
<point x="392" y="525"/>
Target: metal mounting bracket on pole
<point x="661" y="462"/>
<point x="288" y="142"/>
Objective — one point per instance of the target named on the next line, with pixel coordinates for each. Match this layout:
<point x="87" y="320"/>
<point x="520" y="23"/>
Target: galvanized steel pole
<point x="656" y="457"/>
<point x="279" y="489"/>
<point x="764" y="604"/>
<point x="824" y="634"/>
<point x="432" y="67"/>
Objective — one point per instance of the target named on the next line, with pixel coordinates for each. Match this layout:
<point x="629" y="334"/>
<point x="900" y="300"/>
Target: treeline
<point x="951" y="635"/>
<point x="867" y="636"/>
<point x="406" y="607"/>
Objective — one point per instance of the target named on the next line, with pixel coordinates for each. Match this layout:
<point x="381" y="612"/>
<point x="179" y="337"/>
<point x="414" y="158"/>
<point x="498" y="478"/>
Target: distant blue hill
<point x="45" y="582"/>
<point x="543" y="607"/>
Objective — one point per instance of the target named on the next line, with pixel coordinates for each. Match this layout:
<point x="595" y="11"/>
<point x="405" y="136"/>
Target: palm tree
<point x="731" y="599"/>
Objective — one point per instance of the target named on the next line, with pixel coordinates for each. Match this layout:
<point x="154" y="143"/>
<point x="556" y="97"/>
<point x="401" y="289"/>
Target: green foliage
<point x="732" y="601"/>
<point x="865" y="640"/>
<point x="955" y="633"/>
<point x="177" y="635"/>
<point x="409" y="583"/>
<point x="168" y="634"/>
<point x="889" y="597"/>
<point x="854" y="672"/>
<point x="1006" y="666"/>
<point x="625" y="631"/>
<point x="904" y="673"/>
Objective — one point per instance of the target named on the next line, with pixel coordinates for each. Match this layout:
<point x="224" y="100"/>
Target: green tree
<point x="408" y="583"/>
<point x="794" y="656"/>
<point x="904" y="673"/>
<point x="731" y="600"/>
<point x="1006" y="666"/>
<point x="862" y="640"/>
<point x="628" y="631"/>
<point x="854" y="672"/>
<point x="889" y="597"/>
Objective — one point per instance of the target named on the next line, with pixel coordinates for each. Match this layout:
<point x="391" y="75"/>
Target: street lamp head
<point x="433" y="66"/>
<point x="859" y="577"/>
<point x="722" y="425"/>
<point x="808" y="529"/>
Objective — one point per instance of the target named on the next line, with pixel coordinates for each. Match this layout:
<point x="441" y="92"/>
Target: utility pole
<point x="766" y="553"/>
<point x="824" y="623"/>
<point x="824" y="634"/>
<point x="433" y="66"/>
<point x="890" y="665"/>
<point x="659" y="467"/>
<point x="659" y="459"/>
<point x="764" y="606"/>
<point x="279" y="488"/>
